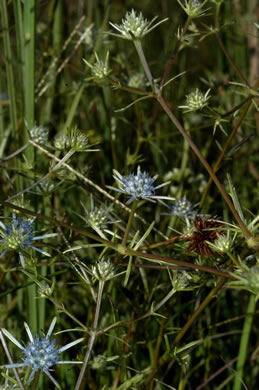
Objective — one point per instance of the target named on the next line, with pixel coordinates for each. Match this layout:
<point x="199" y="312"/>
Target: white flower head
<point x="193" y="8"/>
<point x="100" y="69"/>
<point x="134" y="26"/>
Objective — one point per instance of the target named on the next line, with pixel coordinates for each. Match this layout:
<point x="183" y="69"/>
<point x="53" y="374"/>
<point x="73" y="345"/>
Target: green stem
<point x="126" y="234"/>
<point x="9" y="69"/>
<point x="243" y="347"/>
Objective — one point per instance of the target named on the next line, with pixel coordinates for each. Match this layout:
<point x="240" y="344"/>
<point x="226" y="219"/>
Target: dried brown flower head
<point x="206" y="230"/>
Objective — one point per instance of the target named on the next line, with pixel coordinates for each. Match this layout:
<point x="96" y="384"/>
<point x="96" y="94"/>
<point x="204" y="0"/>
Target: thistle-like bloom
<point x="41" y="353"/>
<point x="193" y="8"/>
<point x="39" y="134"/>
<point x="138" y="186"/>
<point x="100" y="69"/>
<point x="182" y="208"/>
<point x="196" y="100"/>
<point x="19" y="236"/>
<point x="134" y="26"/>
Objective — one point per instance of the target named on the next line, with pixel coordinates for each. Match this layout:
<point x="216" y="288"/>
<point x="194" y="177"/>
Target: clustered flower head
<point x="134" y="26"/>
<point x="182" y="208"/>
<point x="103" y="270"/>
<point x="39" y="134"/>
<point x="73" y="140"/>
<point x="196" y="100"/>
<point x="222" y="244"/>
<point x="193" y="8"/>
<point x="100" y="69"/>
<point x="97" y="218"/>
<point x="138" y="186"/>
<point x="41" y="353"/>
<point x="19" y="236"/>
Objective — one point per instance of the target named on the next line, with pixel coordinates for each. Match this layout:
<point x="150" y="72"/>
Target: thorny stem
<point x="93" y="335"/>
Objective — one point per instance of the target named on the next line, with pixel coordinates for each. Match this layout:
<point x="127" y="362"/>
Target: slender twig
<point x="174" y="53"/>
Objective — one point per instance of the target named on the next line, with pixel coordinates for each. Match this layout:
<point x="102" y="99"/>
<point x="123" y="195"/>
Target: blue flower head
<point x="40" y="353"/>
<point x="19" y="236"/>
<point x="138" y="186"/>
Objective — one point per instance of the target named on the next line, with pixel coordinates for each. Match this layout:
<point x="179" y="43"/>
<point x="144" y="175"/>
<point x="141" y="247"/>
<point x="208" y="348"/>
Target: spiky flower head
<point x="97" y="218"/>
<point x="19" y="236"/>
<point x="134" y="26"/>
<point x="206" y="231"/>
<point x="193" y="8"/>
<point x="41" y="353"/>
<point x="196" y="100"/>
<point x="39" y="134"/>
<point x="103" y="270"/>
<point x="73" y="140"/>
<point x="222" y="244"/>
<point x="182" y="208"/>
<point x="138" y="186"/>
<point x="100" y="69"/>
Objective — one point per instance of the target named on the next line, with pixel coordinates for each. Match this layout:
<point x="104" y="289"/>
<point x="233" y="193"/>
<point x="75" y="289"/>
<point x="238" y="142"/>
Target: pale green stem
<point x="92" y="337"/>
